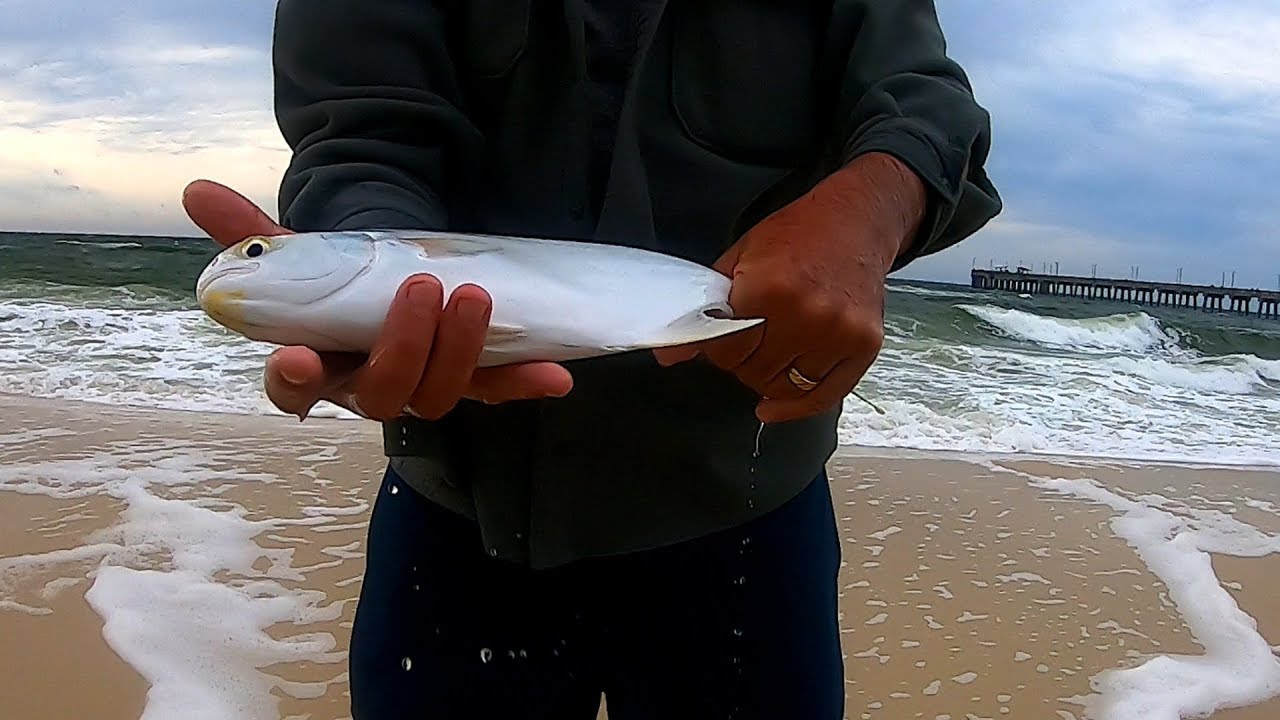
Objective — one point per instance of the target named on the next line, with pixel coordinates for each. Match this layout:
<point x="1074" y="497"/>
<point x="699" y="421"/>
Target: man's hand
<point x="815" y="270"/>
<point x="423" y="362"/>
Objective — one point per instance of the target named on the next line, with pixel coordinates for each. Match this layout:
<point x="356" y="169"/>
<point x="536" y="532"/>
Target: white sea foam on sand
<point x="177" y="580"/>
<point x="1174" y="541"/>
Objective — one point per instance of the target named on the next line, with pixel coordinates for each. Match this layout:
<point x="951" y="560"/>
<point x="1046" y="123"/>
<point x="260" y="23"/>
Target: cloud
<point x="128" y="104"/>
<point x="1127" y="133"/>
<point x="1071" y="250"/>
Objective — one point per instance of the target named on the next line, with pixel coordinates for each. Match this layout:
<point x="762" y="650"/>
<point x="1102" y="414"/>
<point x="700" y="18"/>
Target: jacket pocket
<point x="745" y="76"/>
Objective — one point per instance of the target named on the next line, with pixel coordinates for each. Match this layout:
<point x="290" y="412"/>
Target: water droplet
<point x="751" y="503"/>
<point x="407" y="664"/>
<point x="737" y="632"/>
<point x="752" y="487"/>
<point x="417" y="587"/>
<point x="742" y="580"/>
<point x="524" y="655"/>
<point x="511" y="654"/>
<point x="486" y="655"/>
<point x="395" y="490"/>
<point x="493" y="552"/>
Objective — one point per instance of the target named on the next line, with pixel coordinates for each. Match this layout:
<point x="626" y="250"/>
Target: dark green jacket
<point x="472" y="116"/>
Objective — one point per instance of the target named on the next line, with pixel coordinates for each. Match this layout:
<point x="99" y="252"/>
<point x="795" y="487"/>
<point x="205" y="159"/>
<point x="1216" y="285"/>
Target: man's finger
<point x="816" y="366"/>
<point x="458" y="343"/>
<point x="294" y="380"/>
<point x="523" y="381"/>
<point x="777" y="349"/>
<point x="224" y="214"/>
<point x="676" y="354"/>
<point x="831" y="392"/>
<point x="383" y="386"/>
<point x="730" y="351"/>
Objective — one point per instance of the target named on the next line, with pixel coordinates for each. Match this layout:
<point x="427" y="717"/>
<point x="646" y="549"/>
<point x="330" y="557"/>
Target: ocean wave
<point x="104" y="244"/>
<point x="928" y="292"/>
<point x="135" y="356"/>
<point x="1124" y="332"/>
<point x="1238" y="375"/>
<point x="999" y="400"/>
<point x="123" y="297"/>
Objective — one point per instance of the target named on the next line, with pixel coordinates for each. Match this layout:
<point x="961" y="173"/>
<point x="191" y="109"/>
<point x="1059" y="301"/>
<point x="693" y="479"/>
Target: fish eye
<point x="256" y="247"/>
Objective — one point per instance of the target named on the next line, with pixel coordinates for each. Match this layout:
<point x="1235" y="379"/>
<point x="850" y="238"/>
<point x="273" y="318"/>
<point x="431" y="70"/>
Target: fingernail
<point x="422" y="291"/>
<point x="472" y="310"/>
<point x="291" y="376"/>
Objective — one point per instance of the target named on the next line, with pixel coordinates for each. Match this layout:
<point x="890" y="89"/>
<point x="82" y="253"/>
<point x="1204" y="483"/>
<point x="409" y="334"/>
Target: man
<point x="655" y="527"/>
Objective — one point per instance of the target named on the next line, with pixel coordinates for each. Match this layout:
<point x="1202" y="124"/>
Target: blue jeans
<point x="740" y="624"/>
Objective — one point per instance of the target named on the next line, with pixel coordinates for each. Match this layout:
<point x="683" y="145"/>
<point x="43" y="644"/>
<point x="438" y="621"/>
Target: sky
<point x="1142" y="134"/>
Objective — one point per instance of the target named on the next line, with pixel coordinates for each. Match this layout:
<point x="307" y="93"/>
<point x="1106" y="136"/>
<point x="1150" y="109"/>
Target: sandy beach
<point x="149" y="558"/>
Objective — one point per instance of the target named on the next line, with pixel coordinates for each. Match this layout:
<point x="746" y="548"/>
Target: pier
<point x="1244" y="301"/>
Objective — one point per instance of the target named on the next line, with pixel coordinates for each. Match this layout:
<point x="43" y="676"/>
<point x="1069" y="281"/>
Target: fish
<point x="553" y="300"/>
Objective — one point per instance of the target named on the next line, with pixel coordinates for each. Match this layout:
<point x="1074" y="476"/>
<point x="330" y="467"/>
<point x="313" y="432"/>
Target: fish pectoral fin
<point x="439" y="246"/>
<point x="705" y="323"/>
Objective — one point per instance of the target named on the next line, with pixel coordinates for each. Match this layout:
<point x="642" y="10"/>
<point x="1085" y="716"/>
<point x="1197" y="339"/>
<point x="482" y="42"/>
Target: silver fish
<point x="553" y="300"/>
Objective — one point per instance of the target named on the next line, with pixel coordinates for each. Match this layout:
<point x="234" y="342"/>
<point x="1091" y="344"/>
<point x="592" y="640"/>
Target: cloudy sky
<point x="1131" y="133"/>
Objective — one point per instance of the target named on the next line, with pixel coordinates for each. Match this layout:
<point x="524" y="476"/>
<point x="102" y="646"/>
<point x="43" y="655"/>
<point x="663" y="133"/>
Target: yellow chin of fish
<point x="224" y="307"/>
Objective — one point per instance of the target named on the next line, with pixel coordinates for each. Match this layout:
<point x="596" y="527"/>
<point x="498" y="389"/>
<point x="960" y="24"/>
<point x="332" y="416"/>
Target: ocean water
<point x="113" y="320"/>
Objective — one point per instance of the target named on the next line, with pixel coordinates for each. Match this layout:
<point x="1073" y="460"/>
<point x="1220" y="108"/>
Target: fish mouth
<point x="223" y="306"/>
<point x="222" y="273"/>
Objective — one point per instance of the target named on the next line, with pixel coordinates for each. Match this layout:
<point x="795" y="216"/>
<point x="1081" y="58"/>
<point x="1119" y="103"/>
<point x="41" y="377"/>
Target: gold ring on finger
<point x="798" y="379"/>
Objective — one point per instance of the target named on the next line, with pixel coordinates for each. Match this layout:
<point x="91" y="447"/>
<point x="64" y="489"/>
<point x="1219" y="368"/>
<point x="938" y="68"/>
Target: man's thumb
<point x="224" y="214"/>
<point x="726" y="263"/>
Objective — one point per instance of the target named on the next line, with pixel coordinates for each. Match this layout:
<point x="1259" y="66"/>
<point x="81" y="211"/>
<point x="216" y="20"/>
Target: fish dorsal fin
<point x="440" y="246"/>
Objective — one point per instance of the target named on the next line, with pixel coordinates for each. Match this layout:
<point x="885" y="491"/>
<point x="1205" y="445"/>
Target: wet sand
<point x="965" y="591"/>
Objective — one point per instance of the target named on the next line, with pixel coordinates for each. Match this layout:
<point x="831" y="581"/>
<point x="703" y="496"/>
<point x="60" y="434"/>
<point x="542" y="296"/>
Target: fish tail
<point x="707" y="322"/>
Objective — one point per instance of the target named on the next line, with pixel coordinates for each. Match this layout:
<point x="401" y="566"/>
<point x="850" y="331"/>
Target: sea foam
<point x="1238" y="667"/>
<point x="185" y="593"/>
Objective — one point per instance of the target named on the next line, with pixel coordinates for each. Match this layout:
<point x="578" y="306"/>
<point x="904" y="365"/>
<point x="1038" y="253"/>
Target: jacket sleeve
<point x="366" y="96"/>
<point x="902" y="95"/>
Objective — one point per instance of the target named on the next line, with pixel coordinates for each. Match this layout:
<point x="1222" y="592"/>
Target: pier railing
<point x="1245" y="301"/>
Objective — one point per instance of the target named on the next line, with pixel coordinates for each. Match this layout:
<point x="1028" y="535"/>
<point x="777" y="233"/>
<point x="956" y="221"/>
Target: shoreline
<point x="332" y="417"/>
<point x="971" y="584"/>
